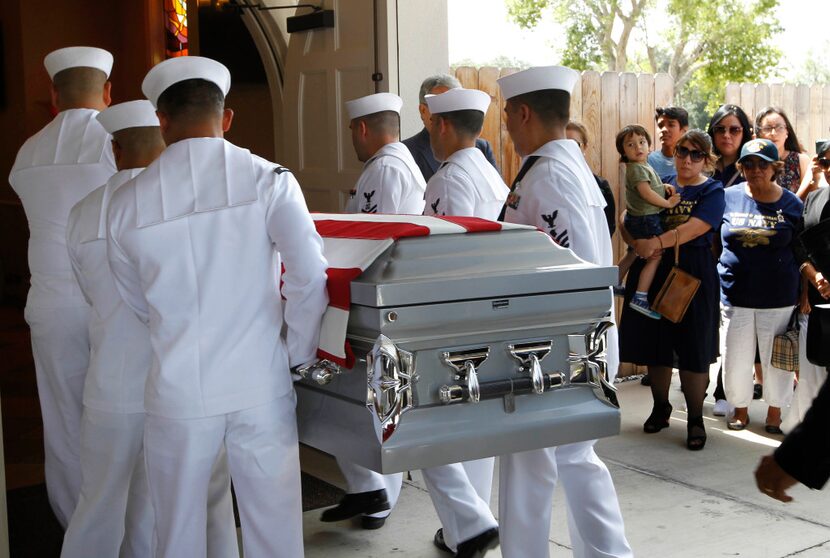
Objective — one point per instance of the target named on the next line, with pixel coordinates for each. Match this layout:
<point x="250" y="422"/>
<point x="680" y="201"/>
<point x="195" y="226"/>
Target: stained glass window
<point x="175" y="27"/>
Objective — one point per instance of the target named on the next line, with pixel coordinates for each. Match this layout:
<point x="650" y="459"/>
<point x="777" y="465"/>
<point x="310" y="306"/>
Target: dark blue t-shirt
<point x="704" y="202"/>
<point x="757" y="266"/>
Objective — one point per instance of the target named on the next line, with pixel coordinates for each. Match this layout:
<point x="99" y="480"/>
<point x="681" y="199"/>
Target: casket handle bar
<point x="499" y="388"/>
<point x="465" y="363"/>
<point x="529" y="355"/>
<point x="323" y="371"/>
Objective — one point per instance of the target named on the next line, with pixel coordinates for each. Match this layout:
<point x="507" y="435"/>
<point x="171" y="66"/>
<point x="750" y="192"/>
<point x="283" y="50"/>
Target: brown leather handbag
<point x="678" y="291"/>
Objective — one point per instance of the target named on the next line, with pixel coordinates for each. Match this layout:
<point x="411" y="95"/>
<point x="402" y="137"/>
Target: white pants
<point x="60" y="346"/>
<point x="114" y="509"/>
<point x="263" y="458"/>
<point x="526" y="484"/>
<point x="460" y="493"/>
<point x="112" y="469"/>
<point x="360" y="479"/>
<point x="741" y="327"/>
<point x="810" y="380"/>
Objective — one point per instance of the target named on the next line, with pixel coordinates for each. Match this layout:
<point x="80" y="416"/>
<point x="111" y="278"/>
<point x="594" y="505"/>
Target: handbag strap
<point x="676" y="248"/>
<point x="794" y="319"/>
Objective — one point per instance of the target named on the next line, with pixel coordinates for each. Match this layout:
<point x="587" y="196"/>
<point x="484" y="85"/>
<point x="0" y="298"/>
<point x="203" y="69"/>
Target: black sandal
<point x="658" y="419"/>
<point x="696" y="434"/>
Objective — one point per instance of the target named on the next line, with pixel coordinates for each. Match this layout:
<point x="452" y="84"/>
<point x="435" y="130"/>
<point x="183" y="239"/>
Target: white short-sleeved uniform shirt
<point x="120" y="352"/>
<point x="54" y="170"/>
<point x="196" y="244"/>
<point x="466" y="185"/>
<point x="390" y="183"/>
<point x="560" y="196"/>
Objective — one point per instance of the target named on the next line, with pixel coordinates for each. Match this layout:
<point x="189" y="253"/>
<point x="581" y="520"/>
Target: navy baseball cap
<point x="762" y="148"/>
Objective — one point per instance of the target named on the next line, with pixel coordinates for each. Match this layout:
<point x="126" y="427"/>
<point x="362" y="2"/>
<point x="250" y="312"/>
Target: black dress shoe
<point x="479" y="545"/>
<point x="438" y="541"/>
<point x="357" y="504"/>
<point x="372" y="523"/>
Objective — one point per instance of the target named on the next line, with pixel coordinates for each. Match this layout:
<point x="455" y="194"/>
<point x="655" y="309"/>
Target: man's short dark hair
<point x="466" y="122"/>
<point x="552" y="105"/>
<point x="387" y="121"/>
<point x="673" y="113"/>
<point x="75" y="85"/>
<point x="192" y="99"/>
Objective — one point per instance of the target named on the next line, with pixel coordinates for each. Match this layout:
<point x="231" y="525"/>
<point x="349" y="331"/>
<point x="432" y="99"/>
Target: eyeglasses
<point x="731" y="130"/>
<point x="751" y="164"/>
<point x="770" y="129"/>
<point x="824" y="163"/>
<point x="694" y="154"/>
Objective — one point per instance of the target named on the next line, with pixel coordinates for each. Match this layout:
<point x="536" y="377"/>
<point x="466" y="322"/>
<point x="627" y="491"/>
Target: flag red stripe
<point x="338" y="283"/>
<point x="473" y="224"/>
<point x="368" y="230"/>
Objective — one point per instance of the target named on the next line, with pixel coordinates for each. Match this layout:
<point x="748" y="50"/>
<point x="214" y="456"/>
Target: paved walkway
<point x="676" y="503"/>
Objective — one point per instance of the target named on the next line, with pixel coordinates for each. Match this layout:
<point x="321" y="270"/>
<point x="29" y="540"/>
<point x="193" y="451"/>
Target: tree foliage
<point x="702" y="44"/>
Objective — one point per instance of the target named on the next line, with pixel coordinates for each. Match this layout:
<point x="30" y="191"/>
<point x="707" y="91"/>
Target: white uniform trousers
<point x="264" y="462"/>
<point x="360" y="479"/>
<point x="741" y="326"/>
<point x="460" y="493"/>
<point x="526" y="484"/>
<point x="60" y="346"/>
<point x="810" y="380"/>
<point x="112" y="469"/>
<point x="114" y="509"/>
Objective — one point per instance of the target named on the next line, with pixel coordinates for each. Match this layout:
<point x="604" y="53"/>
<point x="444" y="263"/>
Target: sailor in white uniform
<point x="54" y="169"/>
<point x="114" y="510"/>
<point x="391" y="181"/>
<point x="195" y="244"/>
<point x="556" y="192"/>
<point x="465" y="185"/>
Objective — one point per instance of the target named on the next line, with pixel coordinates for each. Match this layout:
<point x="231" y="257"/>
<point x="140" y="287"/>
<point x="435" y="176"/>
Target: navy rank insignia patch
<point x="279" y="169"/>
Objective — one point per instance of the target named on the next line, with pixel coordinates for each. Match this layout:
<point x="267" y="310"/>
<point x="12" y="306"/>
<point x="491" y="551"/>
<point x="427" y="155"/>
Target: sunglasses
<point x="731" y="130"/>
<point x="824" y="163"/>
<point x="694" y="154"/>
<point x="751" y="164"/>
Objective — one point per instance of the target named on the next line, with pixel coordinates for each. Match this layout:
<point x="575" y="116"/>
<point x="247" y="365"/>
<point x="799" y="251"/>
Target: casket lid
<point x="455" y="267"/>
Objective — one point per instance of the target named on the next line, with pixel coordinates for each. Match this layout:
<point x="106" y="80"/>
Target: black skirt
<point x="690" y="345"/>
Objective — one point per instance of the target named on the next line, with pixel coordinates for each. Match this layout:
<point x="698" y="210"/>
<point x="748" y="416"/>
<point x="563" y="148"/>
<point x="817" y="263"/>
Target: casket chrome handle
<point x="529" y="355"/>
<point x="464" y="363"/>
<point x="322" y="371"/>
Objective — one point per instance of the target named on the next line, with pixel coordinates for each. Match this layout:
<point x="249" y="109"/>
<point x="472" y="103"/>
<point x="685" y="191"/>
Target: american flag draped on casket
<point x="449" y="339"/>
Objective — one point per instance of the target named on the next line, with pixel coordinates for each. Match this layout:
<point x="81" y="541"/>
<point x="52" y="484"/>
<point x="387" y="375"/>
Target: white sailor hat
<point x="132" y="114"/>
<point x="78" y="57"/>
<point x="370" y="104"/>
<point x="458" y="99"/>
<point x="172" y="71"/>
<point x="537" y="79"/>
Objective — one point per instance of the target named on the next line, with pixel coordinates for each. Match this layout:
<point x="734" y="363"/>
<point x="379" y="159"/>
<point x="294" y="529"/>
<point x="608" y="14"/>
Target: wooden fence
<point x="807" y="106"/>
<point x="602" y="102"/>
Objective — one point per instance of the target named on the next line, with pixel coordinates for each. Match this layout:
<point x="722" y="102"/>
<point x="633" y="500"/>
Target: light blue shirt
<point x="662" y="165"/>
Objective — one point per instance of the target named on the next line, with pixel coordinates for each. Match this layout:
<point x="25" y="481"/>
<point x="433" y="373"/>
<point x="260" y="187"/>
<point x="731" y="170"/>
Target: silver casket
<point x="467" y="346"/>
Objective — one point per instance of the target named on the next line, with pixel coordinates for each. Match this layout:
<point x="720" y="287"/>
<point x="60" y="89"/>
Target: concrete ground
<point x="676" y="503"/>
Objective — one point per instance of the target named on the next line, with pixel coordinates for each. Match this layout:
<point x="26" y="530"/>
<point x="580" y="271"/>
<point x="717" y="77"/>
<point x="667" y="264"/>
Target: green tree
<point x="702" y="44"/>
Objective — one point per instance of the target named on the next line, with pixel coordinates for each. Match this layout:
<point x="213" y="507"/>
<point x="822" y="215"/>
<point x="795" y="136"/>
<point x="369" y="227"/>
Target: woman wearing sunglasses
<point x="772" y="124"/>
<point x="692" y="344"/>
<point x="759" y="281"/>
<point x="811" y="376"/>
<point x="729" y="129"/>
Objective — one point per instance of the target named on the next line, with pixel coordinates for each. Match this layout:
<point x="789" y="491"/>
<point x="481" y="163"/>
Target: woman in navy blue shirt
<point x="691" y="345"/>
<point x="759" y="281"/>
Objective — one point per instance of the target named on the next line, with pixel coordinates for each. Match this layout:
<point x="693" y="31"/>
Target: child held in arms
<point x="645" y="198"/>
